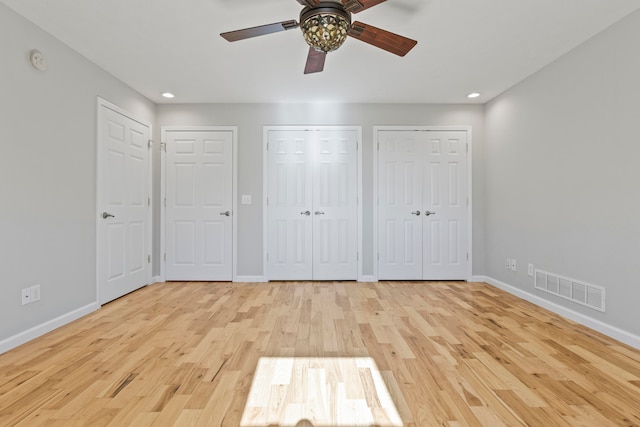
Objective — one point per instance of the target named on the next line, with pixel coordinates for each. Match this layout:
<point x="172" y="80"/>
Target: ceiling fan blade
<point x="309" y="2"/>
<point x="262" y="30"/>
<point x="383" y="39"/>
<point x="315" y="61"/>
<point x="355" y="6"/>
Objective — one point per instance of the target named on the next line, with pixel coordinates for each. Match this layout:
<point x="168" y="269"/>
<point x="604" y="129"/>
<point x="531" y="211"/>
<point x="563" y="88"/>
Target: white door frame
<point x="376" y="142"/>
<point x="103" y="103"/>
<point x="265" y="186"/>
<point x="163" y="191"/>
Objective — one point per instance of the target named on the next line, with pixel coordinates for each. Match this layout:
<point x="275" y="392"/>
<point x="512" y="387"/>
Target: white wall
<point x="250" y="119"/>
<point x="562" y="174"/>
<point x="48" y="174"/>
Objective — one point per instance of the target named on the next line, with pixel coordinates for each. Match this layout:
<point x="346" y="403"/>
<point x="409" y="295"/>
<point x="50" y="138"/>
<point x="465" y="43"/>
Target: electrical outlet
<point x="26" y="296"/>
<point x="530" y="270"/>
<point x="508" y="263"/>
<point x="245" y="199"/>
<point x="35" y="293"/>
<point x="513" y="265"/>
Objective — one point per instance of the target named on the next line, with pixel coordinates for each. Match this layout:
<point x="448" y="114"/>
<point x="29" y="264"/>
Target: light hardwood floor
<point x="451" y="354"/>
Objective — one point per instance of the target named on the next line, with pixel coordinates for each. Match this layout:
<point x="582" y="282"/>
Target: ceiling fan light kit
<point x="326" y="25"/>
<point x="325" y="28"/>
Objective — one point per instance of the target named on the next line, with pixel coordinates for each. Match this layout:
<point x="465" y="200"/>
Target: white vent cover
<point x="574" y="290"/>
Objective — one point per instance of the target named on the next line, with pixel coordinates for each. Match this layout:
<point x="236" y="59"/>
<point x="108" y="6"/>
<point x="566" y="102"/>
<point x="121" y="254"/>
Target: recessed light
<point x="473" y="95"/>
<point x="168" y="95"/>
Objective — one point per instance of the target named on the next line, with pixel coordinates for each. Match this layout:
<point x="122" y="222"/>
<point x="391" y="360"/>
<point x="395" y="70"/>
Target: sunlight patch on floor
<point x="325" y="391"/>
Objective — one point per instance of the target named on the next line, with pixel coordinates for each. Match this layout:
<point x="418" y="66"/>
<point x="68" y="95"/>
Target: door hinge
<point x="163" y="146"/>
<point x="467" y="256"/>
<point x="148" y="201"/>
<point x="149" y="259"/>
<point x="165" y="202"/>
<point x="267" y="256"/>
<point x="467" y="147"/>
<point x="150" y="143"/>
<point x="267" y="146"/>
<point x="165" y="257"/>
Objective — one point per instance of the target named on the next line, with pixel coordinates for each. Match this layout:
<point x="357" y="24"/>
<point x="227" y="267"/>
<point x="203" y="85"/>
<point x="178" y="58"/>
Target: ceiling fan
<point x="326" y="25"/>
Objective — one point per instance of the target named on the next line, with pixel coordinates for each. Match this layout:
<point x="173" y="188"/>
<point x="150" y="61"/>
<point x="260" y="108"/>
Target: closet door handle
<point x="319" y="213"/>
<point x="106" y="215"/>
<point x="416" y="213"/>
<point x="307" y="213"/>
<point x="227" y="213"/>
<point x="427" y="213"/>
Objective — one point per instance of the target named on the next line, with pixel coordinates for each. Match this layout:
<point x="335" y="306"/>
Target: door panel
<point x="446" y="194"/>
<point x="312" y="205"/>
<point x="123" y="194"/>
<point x="400" y="206"/>
<point x="335" y="208"/>
<point x="199" y="183"/>
<point x="290" y="205"/>
<point x="425" y="172"/>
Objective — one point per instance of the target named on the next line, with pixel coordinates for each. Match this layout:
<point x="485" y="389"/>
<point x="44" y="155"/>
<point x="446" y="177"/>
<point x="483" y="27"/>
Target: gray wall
<point x="562" y="173"/>
<point x="48" y="173"/>
<point x="250" y="119"/>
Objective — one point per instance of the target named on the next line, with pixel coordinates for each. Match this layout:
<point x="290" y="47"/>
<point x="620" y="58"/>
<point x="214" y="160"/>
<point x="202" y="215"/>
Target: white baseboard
<point x="250" y="279"/>
<point x="156" y="279"/>
<point x="477" y="279"/>
<point x="597" y="325"/>
<point x="368" y="279"/>
<point x="37" y="331"/>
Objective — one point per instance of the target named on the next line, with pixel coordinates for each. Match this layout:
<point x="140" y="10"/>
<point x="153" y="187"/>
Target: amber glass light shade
<point x="325" y="32"/>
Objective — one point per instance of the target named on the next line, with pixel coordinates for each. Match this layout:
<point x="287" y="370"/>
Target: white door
<point x="124" y="249"/>
<point x="335" y="205"/>
<point x="312" y="205"/>
<point x="290" y="205"/>
<point x="423" y="205"/>
<point x="199" y="199"/>
<point x="445" y="206"/>
<point x="400" y="205"/>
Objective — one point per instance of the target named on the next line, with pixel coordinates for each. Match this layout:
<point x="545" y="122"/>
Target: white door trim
<point x="163" y="190"/>
<point x="265" y="187"/>
<point x="100" y="104"/>
<point x="376" y="140"/>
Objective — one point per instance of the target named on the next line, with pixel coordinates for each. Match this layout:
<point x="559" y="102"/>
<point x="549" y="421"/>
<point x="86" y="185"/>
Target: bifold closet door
<point x="422" y="205"/>
<point x="312" y="205"/>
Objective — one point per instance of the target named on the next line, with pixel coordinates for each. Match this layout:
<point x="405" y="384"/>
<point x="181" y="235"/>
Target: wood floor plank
<point x="450" y="353"/>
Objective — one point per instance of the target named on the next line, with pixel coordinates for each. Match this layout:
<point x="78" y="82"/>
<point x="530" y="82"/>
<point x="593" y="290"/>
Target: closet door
<point x="400" y="205"/>
<point x="290" y="205"/>
<point x="335" y="208"/>
<point x="312" y="204"/>
<point x="199" y="224"/>
<point x="445" y="207"/>
<point x="422" y="205"/>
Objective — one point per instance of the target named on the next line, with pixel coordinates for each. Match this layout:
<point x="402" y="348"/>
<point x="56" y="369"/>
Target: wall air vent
<point x="574" y="290"/>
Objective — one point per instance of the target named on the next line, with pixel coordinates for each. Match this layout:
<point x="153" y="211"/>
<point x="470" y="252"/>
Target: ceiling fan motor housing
<point x="326" y="26"/>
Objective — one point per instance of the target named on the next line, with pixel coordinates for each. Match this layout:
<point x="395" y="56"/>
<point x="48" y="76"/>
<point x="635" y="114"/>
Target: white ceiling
<point x="463" y="46"/>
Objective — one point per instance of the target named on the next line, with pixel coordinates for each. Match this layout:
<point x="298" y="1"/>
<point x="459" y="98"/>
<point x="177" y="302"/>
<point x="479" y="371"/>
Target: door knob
<point x="427" y="213"/>
<point x="319" y="213"/>
<point x="307" y="213"/>
<point x="106" y="215"/>
<point x="227" y="213"/>
<point x="416" y="213"/>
